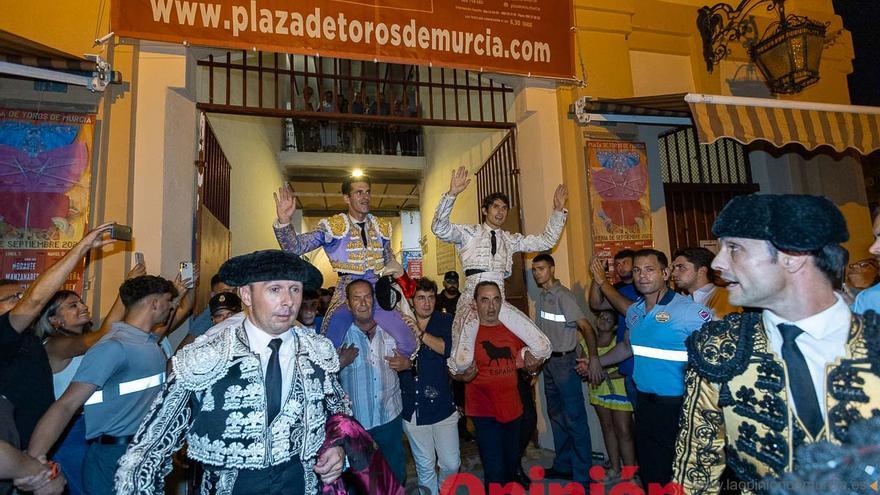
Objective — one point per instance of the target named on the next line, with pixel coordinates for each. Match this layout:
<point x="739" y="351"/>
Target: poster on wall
<point x="44" y="183"/>
<point x="527" y="37"/>
<point x="617" y="174"/>
<point x="412" y="263"/>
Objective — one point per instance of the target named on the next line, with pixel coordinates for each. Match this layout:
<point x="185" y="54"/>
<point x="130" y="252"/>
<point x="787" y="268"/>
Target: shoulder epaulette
<point x="721" y="349"/>
<point x="319" y="349"/>
<point x="199" y="365"/>
<point x="336" y="226"/>
<point x="384" y="228"/>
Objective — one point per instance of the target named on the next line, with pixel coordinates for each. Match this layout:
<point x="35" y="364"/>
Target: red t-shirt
<point x="493" y="392"/>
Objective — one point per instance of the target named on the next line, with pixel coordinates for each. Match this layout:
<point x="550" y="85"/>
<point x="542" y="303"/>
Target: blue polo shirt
<point x="427" y="395"/>
<point x="128" y="367"/>
<point x="628" y="291"/>
<point x="657" y="338"/>
<point x="867" y="299"/>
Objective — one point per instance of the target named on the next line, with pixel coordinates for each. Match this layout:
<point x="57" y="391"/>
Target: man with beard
<point x="358" y="245"/>
<point x="486" y="253"/>
<point x="761" y="384"/>
<point x="693" y="274"/>
<point x="251" y="398"/>
<point x="115" y="384"/>
<point x="447" y="300"/>
<point x="657" y="326"/>
<point x="623" y="263"/>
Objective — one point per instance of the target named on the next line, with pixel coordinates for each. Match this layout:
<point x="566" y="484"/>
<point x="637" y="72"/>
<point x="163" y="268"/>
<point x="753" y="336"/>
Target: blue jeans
<point x="99" y="468"/>
<point x="568" y="417"/>
<point x="389" y="438"/>
<point x="499" y="449"/>
<point x="70" y="454"/>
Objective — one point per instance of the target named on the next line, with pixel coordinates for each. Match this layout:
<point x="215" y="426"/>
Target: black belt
<point x="473" y="271"/>
<point x="111" y="440"/>
<point x="560" y="354"/>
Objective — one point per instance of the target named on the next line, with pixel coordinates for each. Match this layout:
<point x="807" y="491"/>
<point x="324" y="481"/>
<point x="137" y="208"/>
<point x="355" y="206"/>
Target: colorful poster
<point x="528" y="37"/>
<point x="412" y="263"/>
<point x="619" y="197"/>
<point x="44" y="182"/>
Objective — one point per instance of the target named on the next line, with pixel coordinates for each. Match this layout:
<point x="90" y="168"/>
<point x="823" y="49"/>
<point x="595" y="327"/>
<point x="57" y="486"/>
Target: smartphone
<point x="138" y="258"/>
<point x="186" y="271"/>
<point x="120" y="232"/>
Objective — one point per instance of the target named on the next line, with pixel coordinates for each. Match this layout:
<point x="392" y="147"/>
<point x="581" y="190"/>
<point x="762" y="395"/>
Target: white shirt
<point x="822" y="343"/>
<point x="701" y="295"/>
<point x="258" y="341"/>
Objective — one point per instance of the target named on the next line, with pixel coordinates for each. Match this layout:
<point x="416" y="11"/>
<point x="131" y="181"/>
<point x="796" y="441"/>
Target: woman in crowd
<point x="612" y="406"/>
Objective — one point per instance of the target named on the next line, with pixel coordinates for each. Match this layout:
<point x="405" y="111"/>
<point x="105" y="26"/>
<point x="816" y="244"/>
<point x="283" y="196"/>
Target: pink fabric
<point x="370" y="473"/>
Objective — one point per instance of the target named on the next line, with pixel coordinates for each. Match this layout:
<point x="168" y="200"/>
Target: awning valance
<point x="782" y="122"/>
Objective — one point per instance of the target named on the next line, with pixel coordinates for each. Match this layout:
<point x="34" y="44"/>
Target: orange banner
<point x="619" y="197"/>
<point x="528" y="37"/>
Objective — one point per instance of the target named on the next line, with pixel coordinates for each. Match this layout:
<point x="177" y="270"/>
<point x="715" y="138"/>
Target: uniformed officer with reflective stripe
<point x="559" y="316"/>
<point x="116" y="383"/>
<point x="658" y="325"/>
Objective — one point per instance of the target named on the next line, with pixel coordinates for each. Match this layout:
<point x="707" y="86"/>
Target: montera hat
<point x="271" y="264"/>
<point x="386" y="294"/>
<point x="791" y="222"/>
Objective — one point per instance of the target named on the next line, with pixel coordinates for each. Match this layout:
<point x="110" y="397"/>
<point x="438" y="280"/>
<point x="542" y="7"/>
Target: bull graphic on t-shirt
<point x="496" y="353"/>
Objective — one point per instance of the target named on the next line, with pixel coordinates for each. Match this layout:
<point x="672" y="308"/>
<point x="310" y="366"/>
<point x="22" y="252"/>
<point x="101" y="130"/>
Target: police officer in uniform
<point x="657" y="325"/>
<point x="115" y="384"/>
<point x="760" y="384"/>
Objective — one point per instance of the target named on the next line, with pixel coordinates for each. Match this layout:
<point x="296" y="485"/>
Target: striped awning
<point x="782" y="122"/>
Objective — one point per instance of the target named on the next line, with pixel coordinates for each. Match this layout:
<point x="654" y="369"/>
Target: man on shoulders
<point x="358" y="245"/>
<point x="693" y="275"/>
<point x="803" y="370"/>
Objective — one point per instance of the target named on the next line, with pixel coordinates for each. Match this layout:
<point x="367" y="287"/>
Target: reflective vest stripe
<point x="552" y="317"/>
<point x="138" y="385"/>
<point x="663" y="354"/>
<point x="95" y="398"/>
<point x="129" y="387"/>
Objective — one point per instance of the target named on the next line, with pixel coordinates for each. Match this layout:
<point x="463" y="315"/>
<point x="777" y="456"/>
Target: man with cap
<point x="222" y="306"/>
<point x="486" y="253"/>
<point x="761" y="384"/>
<point x="447" y="299"/>
<point x="358" y="245"/>
<point x="251" y="398"/>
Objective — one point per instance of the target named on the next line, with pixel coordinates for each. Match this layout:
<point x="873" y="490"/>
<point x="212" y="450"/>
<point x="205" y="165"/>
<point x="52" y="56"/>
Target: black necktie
<point x="363" y="232"/>
<point x="802" y="389"/>
<point x="494" y="243"/>
<point x="273" y="381"/>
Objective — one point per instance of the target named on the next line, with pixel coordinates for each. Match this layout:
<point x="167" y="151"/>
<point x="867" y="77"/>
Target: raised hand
<point x="597" y="270"/>
<point x="285" y="203"/>
<point x="95" y="238"/>
<point x="459" y="182"/>
<point x="560" y="197"/>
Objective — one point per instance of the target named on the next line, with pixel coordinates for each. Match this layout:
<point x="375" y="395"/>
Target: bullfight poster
<point x="44" y="183"/>
<point x="617" y="174"/>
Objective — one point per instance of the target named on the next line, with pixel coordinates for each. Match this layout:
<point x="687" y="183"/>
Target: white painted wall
<point x="251" y="145"/>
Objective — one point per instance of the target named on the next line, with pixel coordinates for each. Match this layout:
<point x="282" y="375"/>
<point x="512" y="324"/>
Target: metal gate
<point x="500" y="173"/>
